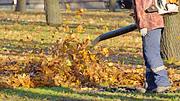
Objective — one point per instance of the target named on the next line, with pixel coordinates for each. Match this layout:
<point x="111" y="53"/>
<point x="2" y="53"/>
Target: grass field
<point x="67" y="94"/>
<point x="20" y="34"/>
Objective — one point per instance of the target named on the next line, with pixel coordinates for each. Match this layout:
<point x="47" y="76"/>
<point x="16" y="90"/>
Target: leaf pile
<point x="71" y="63"/>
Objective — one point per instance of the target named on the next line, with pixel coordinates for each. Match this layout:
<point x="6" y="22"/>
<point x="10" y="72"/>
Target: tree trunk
<point x="112" y="5"/>
<point x="21" y="6"/>
<point x="53" y="15"/>
<point x="171" y="37"/>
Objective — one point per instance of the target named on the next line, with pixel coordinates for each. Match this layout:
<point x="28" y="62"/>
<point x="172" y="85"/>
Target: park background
<point x="42" y="62"/>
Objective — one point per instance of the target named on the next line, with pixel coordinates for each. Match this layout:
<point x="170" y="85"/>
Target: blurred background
<point x="38" y="5"/>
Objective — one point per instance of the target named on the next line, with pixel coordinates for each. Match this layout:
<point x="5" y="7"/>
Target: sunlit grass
<point x="67" y="94"/>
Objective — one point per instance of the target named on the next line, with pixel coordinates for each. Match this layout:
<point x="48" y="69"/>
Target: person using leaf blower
<point x="149" y="20"/>
<point x="148" y="15"/>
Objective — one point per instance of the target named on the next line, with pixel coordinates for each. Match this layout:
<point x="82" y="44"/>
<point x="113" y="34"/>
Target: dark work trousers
<point x="156" y="74"/>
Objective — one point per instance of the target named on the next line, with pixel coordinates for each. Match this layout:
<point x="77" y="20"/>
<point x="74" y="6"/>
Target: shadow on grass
<point x="125" y="58"/>
<point x="16" y="47"/>
<point x="6" y="21"/>
<point x="22" y="45"/>
<point x="12" y="22"/>
<point x="62" y="93"/>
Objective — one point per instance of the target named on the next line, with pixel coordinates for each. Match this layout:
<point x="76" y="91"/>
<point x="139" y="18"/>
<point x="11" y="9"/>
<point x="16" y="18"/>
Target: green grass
<point x="67" y="94"/>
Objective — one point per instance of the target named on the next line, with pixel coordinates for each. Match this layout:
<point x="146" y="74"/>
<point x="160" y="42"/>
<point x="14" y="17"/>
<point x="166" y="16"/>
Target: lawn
<point x="67" y="94"/>
<point x="23" y="35"/>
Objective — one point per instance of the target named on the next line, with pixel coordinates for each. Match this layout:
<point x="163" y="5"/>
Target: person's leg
<point x="156" y="75"/>
<point x="150" y="80"/>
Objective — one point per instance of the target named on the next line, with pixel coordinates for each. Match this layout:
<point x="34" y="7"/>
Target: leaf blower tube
<point x="114" y="33"/>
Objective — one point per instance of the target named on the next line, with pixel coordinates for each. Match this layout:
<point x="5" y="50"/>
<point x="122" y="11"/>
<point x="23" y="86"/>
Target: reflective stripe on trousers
<point x="156" y="74"/>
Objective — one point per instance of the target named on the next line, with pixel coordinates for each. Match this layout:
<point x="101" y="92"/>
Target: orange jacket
<point x="146" y="20"/>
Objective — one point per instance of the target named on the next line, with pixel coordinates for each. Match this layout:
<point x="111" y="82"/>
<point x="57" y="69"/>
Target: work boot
<point x="157" y="80"/>
<point x="161" y="89"/>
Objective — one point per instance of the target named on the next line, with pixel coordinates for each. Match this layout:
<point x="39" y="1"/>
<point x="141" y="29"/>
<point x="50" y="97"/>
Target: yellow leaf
<point x="105" y="51"/>
<point x="68" y="62"/>
<point x="110" y="64"/>
<point x="80" y="29"/>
